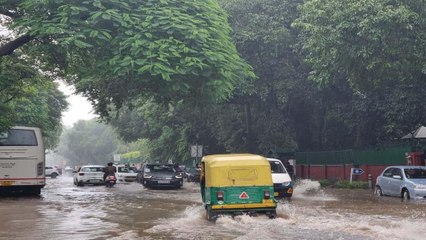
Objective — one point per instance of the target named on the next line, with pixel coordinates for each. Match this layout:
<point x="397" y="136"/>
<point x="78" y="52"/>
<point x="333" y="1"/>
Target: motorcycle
<point x="110" y="180"/>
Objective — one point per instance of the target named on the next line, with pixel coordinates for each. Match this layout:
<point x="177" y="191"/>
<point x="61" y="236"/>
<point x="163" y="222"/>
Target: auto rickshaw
<point x="237" y="184"/>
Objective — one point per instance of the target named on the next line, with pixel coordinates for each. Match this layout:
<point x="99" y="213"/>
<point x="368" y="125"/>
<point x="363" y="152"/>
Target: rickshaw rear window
<point x="242" y="174"/>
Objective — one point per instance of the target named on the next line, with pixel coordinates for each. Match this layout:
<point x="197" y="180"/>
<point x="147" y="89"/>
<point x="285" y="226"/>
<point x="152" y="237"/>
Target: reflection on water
<point x="129" y="211"/>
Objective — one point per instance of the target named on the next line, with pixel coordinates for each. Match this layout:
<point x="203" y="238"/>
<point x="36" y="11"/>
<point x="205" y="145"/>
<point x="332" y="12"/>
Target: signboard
<point x="117" y="158"/>
<point x="196" y="150"/>
<point x="357" y="171"/>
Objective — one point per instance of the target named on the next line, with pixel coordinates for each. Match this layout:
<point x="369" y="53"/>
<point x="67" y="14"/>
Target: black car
<point x="160" y="175"/>
<point x="193" y="175"/>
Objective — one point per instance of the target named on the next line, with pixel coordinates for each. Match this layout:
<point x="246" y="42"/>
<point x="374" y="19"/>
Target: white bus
<point x="22" y="160"/>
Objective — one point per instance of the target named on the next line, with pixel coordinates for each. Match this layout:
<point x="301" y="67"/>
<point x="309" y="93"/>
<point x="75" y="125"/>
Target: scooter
<point x="110" y="180"/>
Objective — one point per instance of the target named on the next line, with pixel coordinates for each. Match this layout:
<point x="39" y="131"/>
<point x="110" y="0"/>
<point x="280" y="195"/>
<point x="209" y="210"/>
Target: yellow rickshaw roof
<point x="241" y="158"/>
<point x="237" y="170"/>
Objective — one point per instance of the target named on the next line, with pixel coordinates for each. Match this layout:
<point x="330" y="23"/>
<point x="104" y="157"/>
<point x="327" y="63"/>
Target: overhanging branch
<point x="11" y="46"/>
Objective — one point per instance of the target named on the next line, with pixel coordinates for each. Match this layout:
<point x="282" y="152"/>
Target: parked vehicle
<point x="193" y="174"/>
<point x="89" y="174"/>
<point x="68" y="171"/>
<point x="22" y="160"/>
<point x="110" y="181"/>
<point x="237" y="184"/>
<point x="126" y="173"/>
<point x="283" y="185"/>
<point x="402" y="181"/>
<point x="161" y="175"/>
<point x="51" y="171"/>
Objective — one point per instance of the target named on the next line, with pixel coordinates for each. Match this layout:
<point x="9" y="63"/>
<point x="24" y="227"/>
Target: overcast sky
<point x="79" y="108"/>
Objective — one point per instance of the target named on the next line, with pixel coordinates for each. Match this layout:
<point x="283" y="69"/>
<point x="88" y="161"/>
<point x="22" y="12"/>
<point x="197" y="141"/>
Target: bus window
<point x="18" y="137"/>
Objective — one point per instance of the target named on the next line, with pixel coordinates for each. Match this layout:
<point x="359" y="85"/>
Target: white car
<point x="125" y="173"/>
<point x="283" y="185"/>
<point x="51" y="171"/>
<point x="89" y="174"/>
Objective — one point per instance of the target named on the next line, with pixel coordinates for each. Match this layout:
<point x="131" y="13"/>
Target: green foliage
<point x="367" y="42"/>
<point x="117" y="51"/>
<point x="88" y="142"/>
<point x="28" y="98"/>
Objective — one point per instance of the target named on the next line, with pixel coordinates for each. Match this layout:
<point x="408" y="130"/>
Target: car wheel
<point x="80" y="184"/>
<point x="378" y="191"/>
<point x="405" y="194"/>
<point x="54" y="175"/>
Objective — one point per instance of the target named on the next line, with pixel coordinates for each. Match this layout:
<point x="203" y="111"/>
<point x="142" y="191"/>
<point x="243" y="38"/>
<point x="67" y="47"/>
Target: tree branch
<point x="11" y="46"/>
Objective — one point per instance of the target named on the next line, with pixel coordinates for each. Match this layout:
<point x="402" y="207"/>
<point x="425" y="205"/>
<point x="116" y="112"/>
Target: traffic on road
<point x="131" y="211"/>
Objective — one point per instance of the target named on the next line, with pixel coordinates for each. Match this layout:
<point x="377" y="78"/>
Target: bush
<point x="343" y="184"/>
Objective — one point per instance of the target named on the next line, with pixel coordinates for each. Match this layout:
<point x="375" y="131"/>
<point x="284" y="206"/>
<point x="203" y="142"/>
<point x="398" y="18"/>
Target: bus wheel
<point x="36" y="191"/>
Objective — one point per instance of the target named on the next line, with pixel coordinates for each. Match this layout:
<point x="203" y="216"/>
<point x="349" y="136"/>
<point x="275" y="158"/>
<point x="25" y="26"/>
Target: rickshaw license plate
<point x="6" y="183"/>
<point x="163" y="181"/>
<point x="276" y="194"/>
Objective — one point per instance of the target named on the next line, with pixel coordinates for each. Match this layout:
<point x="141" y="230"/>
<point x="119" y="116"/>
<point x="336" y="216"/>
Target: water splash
<point x="311" y="190"/>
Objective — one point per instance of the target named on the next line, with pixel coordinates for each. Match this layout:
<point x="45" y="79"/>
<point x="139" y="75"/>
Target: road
<point x="129" y="211"/>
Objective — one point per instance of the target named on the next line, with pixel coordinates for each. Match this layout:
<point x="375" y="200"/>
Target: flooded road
<point x="129" y="211"/>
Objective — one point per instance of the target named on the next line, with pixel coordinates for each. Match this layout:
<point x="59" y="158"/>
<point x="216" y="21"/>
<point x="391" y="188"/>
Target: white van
<point x="283" y="185"/>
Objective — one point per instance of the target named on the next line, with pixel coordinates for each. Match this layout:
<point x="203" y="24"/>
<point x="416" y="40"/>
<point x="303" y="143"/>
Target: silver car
<point x="402" y="181"/>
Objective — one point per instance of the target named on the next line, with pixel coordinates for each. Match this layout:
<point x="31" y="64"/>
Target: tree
<point x="115" y="51"/>
<point x="30" y="98"/>
<point x="88" y="142"/>
<point x="369" y="43"/>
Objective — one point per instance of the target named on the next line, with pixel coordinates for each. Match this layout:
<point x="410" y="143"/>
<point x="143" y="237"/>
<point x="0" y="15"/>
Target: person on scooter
<point x="109" y="170"/>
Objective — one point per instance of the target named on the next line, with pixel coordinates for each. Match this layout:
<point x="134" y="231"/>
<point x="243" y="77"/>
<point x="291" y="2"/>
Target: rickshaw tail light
<point x="267" y="194"/>
<point x="219" y="196"/>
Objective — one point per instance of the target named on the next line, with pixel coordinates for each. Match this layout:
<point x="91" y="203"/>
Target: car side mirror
<point x="397" y="177"/>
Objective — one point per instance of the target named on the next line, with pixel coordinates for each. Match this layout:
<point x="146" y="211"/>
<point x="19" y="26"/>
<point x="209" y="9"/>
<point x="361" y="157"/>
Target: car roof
<point x="406" y="166"/>
<point x="273" y="159"/>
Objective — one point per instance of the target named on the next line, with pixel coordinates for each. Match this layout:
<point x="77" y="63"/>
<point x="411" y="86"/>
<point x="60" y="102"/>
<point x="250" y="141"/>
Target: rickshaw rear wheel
<point x="272" y="215"/>
<point x="210" y="215"/>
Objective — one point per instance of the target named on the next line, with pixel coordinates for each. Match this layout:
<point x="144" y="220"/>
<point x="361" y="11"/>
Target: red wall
<point x="338" y="172"/>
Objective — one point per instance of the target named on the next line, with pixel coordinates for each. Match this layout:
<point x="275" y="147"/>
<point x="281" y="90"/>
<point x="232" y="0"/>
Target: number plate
<point x="163" y="181"/>
<point x="6" y="183"/>
<point x="276" y="194"/>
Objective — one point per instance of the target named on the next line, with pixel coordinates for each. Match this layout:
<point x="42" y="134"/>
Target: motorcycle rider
<point x="109" y="170"/>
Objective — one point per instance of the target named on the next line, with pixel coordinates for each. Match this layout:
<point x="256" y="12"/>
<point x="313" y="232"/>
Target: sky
<point x="79" y="107"/>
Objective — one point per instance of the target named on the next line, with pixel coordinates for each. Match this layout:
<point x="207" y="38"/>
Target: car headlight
<point x="286" y="184"/>
<point x="179" y="175"/>
<point x="147" y="176"/>
<point x="420" y="186"/>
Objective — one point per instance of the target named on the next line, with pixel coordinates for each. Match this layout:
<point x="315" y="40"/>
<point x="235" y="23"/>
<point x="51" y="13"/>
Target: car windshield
<point x="277" y="167"/>
<point x="415" y="173"/>
<point x="92" y="169"/>
<point x="159" y="168"/>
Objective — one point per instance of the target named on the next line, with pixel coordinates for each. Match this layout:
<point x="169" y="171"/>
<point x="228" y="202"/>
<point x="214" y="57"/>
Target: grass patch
<point x="343" y="184"/>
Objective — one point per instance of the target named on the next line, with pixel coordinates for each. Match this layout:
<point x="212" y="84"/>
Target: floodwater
<point x="129" y="211"/>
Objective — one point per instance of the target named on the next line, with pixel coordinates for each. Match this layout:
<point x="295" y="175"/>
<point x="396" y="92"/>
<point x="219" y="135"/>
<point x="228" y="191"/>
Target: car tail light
<point x="219" y="196"/>
<point x="267" y="194"/>
<point x="81" y="174"/>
